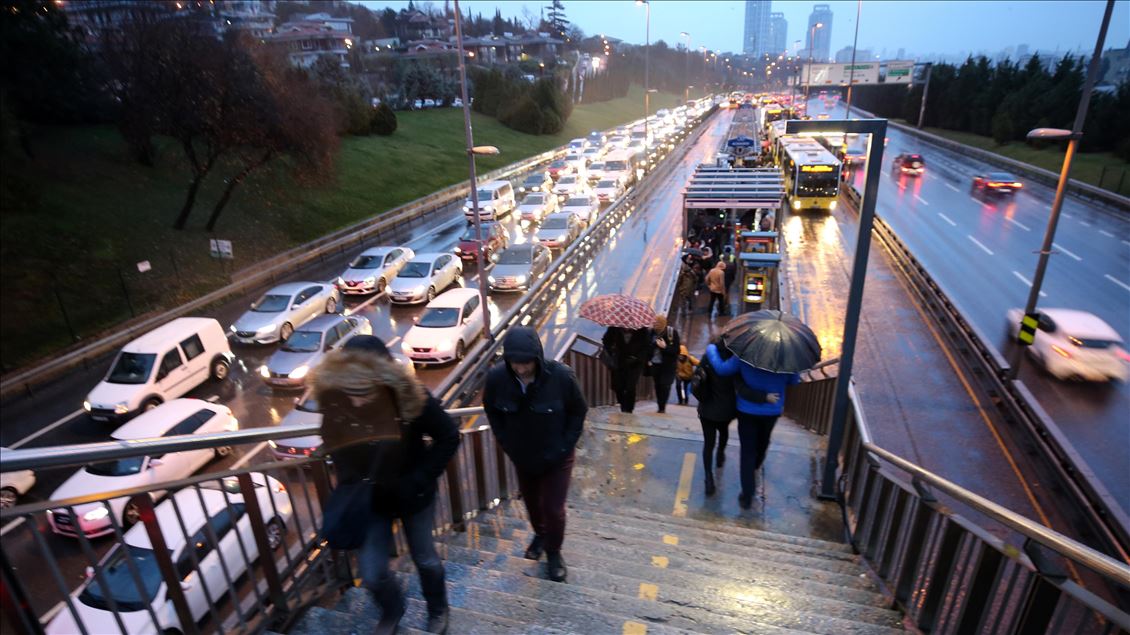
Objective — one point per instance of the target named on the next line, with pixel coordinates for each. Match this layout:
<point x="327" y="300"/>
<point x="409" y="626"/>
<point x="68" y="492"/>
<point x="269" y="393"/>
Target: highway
<point x="638" y="257"/>
<point x="983" y="253"/>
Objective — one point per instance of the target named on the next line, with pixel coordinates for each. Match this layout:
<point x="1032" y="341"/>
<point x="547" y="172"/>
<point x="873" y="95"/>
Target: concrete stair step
<point x="674" y="557"/>
<point x="718" y="545"/>
<point x="700" y="611"/>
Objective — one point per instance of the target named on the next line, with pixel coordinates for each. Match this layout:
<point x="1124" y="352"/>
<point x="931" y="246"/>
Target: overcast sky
<point x="920" y="27"/>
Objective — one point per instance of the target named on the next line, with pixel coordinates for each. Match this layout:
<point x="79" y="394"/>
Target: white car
<point x="595" y="172"/>
<point x="200" y="563"/>
<point x="275" y="315"/>
<point x="1072" y="344"/>
<point x="372" y="269"/>
<point x="14" y="485"/>
<point x="618" y="141"/>
<point x="585" y="206"/>
<point x="569" y="186"/>
<point x="176" y="417"/>
<point x="535" y="207"/>
<point x="445" y="328"/>
<point x="579" y="162"/>
<point x="558" y="231"/>
<point x="422" y="279"/>
<point x="609" y="190"/>
<point x="593" y="153"/>
<point x="578" y="144"/>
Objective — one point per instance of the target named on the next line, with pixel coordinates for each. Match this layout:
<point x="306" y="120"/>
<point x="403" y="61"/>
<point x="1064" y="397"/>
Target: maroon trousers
<point x="544" y="495"/>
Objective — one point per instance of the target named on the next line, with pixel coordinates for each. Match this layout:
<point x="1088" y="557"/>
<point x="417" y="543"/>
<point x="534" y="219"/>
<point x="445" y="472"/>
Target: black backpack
<point x="700" y="381"/>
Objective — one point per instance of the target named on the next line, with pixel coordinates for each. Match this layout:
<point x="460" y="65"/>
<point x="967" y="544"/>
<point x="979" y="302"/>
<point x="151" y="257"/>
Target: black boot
<point x="534" y="551"/>
<point x="387" y="595"/>
<point x="745" y="501"/>
<point x="437" y="620"/>
<point x="557" y="569"/>
<point x="710" y="483"/>
<point x="721" y="457"/>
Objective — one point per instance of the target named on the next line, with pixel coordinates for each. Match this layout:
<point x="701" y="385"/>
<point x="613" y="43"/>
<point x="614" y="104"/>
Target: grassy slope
<point x="78" y="216"/>
<point x="1086" y="167"/>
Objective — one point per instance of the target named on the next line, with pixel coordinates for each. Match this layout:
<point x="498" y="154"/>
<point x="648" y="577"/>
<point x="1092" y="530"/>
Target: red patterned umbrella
<point x="615" y="309"/>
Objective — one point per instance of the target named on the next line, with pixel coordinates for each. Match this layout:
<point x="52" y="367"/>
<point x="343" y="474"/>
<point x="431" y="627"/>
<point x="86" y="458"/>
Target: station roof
<point x="714" y="187"/>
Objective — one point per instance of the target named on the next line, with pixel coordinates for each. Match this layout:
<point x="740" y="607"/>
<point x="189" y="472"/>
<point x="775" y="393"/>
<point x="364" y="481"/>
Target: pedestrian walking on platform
<point x="685" y="288"/>
<point x="717" y="407"/>
<point x="362" y="388"/>
<point x="716" y="284"/>
<point x="625" y="354"/>
<point x="684" y="372"/>
<point x="537" y="411"/>
<point x="663" y="360"/>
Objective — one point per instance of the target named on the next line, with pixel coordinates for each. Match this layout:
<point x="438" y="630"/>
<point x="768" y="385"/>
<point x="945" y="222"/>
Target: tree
<point x="555" y="16"/>
<point x="350" y="95"/>
<point x="384" y="120"/>
<point x="1003" y="128"/>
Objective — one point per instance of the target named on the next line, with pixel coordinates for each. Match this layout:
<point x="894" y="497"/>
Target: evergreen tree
<point x="556" y="18"/>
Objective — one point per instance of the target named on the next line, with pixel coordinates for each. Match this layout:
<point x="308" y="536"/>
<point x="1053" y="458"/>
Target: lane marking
<point x="921" y="200"/>
<point x="354" y="309"/>
<point x="978" y="243"/>
<point x="947" y="219"/>
<point x="1117" y="281"/>
<point x="1126" y="242"/>
<point x="683" y="492"/>
<point x="1027" y="282"/>
<point x="12" y="525"/>
<point x="885" y="173"/>
<point x="1068" y="216"/>
<point x="1056" y="245"/>
<point x="648" y="591"/>
<point x="1018" y="224"/>
<point x="392" y="342"/>
<point x="1106" y="233"/>
<point x="43" y="431"/>
<point x="1084" y="223"/>
<point x="246" y="458"/>
<point x="951" y="187"/>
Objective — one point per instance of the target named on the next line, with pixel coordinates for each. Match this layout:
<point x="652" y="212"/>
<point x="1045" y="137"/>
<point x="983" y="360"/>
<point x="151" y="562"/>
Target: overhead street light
<point x="811" y="50"/>
<point x="687" y="68"/>
<point x="646" y="65"/>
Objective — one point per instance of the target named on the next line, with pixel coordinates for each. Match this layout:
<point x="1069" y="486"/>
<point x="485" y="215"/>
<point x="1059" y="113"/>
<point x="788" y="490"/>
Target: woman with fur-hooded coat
<point x="375" y="416"/>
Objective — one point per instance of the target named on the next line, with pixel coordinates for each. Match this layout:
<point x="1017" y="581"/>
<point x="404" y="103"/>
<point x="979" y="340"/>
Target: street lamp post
<point x="811" y="51"/>
<point x="687" y="68"/>
<point x="646" y="66"/>
<point x="1072" y="137"/>
<point x="851" y="69"/>
<point x="472" y="150"/>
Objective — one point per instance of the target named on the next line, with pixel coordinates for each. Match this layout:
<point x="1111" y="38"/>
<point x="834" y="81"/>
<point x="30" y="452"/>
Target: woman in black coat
<point x="717" y="407"/>
<point x="663" y="360"/>
<point x="627" y="353"/>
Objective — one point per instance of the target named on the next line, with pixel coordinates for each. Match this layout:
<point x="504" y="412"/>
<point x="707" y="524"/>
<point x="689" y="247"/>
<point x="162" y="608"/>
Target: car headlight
<point x="371" y="280"/>
<point x="832" y="205"/>
<point x="121" y="407"/>
<point x="300" y="372"/>
<point x="274" y="446"/>
<point x="86" y="405"/>
<point x="264" y="371"/>
<point x="466" y="208"/>
<point x="406" y="347"/>
<point x="796" y="204"/>
<point x="444" y="346"/>
<point x="521" y="279"/>
<point x="418" y="290"/>
<point x="98" y="513"/>
<point x="488" y="208"/>
<point x="458" y="250"/>
<point x="490" y="279"/>
<point x="270" y="328"/>
<point x="232" y="327"/>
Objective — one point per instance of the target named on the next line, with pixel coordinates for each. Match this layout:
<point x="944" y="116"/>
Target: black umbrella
<point x="692" y="251"/>
<point x="773" y="341"/>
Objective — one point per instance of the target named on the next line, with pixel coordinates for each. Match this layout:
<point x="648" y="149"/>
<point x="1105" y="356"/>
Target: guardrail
<point x="951" y="576"/>
<point x="281" y="502"/>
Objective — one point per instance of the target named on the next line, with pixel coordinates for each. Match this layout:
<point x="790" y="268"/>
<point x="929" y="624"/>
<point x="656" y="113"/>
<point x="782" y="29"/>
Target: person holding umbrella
<point x="769" y="349"/>
<point x="627" y="343"/>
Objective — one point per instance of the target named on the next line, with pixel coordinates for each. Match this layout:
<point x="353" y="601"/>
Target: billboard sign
<point x="899" y="72"/>
<point x="859" y="74"/>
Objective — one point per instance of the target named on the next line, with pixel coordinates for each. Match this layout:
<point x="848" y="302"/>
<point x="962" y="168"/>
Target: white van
<point x="496" y="199"/>
<point x="163" y="364"/>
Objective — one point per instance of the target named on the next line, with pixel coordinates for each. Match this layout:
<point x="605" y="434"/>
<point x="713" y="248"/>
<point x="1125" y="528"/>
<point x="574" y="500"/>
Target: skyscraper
<point x="778" y="33"/>
<point x="821" y="47"/>
<point x="756" y="38"/>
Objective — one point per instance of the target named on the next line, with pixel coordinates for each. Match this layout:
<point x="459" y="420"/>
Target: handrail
<point x="83" y="453"/>
<point x="1063" y="545"/>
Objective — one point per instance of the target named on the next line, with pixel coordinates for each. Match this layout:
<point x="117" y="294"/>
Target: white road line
<point x="1027" y="282"/>
<point x="978" y="243"/>
<point x="1056" y="245"/>
<point x="1117" y="281"/>
<point x="1068" y="216"/>
<point x="12" y="525"/>
<point x="1106" y="233"/>
<point x="921" y="200"/>
<point x="1126" y="242"/>
<point x="947" y="219"/>
<point x="886" y="174"/>
<point x="246" y="458"/>
<point x="951" y="186"/>
<point x="43" y="431"/>
<point x="1084" y="223"/>
<point x="1018" y="224"/>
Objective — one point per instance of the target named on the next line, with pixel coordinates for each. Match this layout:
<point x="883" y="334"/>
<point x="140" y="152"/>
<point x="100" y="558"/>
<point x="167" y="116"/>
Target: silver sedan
<point x="275" y="315"/>
<point x="288" y="366"/>
<point x="422" y="279"/>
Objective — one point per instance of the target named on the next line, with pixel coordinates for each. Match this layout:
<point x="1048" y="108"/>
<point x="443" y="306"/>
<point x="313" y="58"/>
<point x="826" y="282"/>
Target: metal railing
<point x="279" y="510"/>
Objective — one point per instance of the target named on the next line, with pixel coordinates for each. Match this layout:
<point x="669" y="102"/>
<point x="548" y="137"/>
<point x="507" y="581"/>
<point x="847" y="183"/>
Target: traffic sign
<point x="741" y="142"/>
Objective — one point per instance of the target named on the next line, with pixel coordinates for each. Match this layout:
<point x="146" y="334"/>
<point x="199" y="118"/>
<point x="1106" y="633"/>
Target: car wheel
<point x="276" y="534"/>
<point x="331" y="305"/>
<point x="460" y="351"/>
<point x="381" y="284"/>
<point x="431" y="293"/>
<point x="150" y="404"/>
<point x="220" y="368"/>
<point x="130" y="515"/>
<point x="8" y="498"/>
<point x="285" y="332"/>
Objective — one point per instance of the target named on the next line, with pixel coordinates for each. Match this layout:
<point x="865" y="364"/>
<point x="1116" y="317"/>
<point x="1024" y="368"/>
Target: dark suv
<point x="494" y="235"/>
<point x="912" y="164"/>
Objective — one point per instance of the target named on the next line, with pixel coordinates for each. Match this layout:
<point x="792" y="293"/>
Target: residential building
<point x="778" y="34"/>
<point x="756" y="37"/>
<point x="304" y="42"/>
<point x="819" y="41"/>
<point x="843" y="56"/>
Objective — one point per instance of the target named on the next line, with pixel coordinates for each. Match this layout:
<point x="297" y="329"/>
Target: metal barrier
<point x="950" y="575"/>
<point x="202" y="544"/>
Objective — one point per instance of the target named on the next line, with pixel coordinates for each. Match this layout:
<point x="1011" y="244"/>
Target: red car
<point x="560" y="168"/>
<point x="494" y="235"/>
<point x="998" y="183"/>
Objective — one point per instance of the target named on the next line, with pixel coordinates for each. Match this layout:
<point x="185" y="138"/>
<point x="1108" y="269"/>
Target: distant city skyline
<point x="925" y="29"/>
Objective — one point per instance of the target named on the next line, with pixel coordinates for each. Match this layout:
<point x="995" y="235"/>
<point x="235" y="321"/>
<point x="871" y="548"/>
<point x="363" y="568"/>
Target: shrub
<point x="383" y="120"/>
<point x="524" y="116"/>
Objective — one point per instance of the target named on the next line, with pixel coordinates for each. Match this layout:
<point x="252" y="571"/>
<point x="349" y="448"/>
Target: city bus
<point x="773" y="112"/>
<point x="812" y="174"/>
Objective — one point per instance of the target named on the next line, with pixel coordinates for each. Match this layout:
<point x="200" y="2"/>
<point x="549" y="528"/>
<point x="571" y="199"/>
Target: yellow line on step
<point x="683" y="492"/>
<point x="668" y="539"/>
<point x="634" y="628"/>
<point x="659" y="561"/>
<point x="648" y="591"/>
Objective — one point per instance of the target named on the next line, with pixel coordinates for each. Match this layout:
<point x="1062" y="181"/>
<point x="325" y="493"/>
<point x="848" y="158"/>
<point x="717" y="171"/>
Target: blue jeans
<point x="374" y="555"/>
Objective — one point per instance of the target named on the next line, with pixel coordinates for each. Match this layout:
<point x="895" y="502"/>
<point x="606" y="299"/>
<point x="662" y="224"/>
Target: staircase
<point x="635" y="570"/>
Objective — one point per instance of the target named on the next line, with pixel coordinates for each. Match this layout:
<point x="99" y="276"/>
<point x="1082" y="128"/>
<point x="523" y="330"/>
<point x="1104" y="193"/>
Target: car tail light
<point x="1061" y="352"/>
<point x="992" y="184"/>
<point x="1017" y="185"/>
<point x="280" y="488"/>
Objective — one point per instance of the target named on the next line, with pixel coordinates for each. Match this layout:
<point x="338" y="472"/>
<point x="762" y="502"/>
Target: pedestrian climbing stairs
<point x="633" y="571"/>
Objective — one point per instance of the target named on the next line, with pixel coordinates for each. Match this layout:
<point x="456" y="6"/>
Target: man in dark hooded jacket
<point x="536" y="410"/>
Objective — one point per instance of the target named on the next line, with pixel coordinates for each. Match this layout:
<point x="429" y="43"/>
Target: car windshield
<point x="367" y="261"/>
<point x="577" y="202"/>
<point x="117" y="579"/>
<point x="131" y="368"/>
<point x="557" y="164"/>
<point x="439" y="317"/>
<point x="616" y="166"/>
<point x="515" y="257"/>
<point x="606" y="184"/>
<point x="271" y="304"/>
<point x="555" y="223"/>
<point x="535" y="179"/>
<point x="415" y="270"/>
<point x="1001" y="176"/>
<point x="915" y="158"/>
<point x="485" y="196"/>
<point x="595" y="167"/>
<point x="120" y="467"/>
<point x="303" y="342"/>
<point x="471" y="234"/>
<point x="534" y="199"/>
<point x="567" y="180"/>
